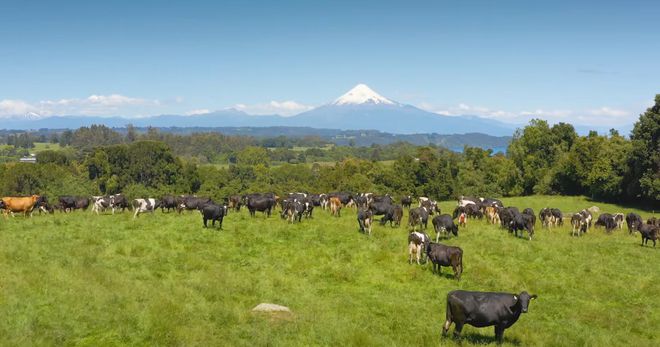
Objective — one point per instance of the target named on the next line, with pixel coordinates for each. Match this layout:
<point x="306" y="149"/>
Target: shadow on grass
<point x="479" y="339"/>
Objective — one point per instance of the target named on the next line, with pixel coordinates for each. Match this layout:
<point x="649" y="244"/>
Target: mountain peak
<point x="362" y="94"/>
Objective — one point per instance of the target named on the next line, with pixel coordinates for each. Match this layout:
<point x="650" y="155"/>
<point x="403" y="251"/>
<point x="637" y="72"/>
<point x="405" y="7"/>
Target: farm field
<point x="85" y="280"/>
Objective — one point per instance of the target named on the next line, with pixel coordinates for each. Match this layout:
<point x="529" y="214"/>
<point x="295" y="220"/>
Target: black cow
<point x="653" y="221"/>
<point x="648" y="232"/>
<point x="362" y="201"/>
<point x="406" y="201"/>
<point x="545" y="216"/>
<point x="383" y="198"/>
<point x="213" y="212"/>
<point x="365" y="218"/>
<point x="442" y="255"/>
<point x="633" y="220"/>
<point x="261" y="204"/>
<point x="491" y="202"/>
<point x="483" y="309"/>
<point x="506" y="216"/>
<point x="521" y="222"/>
<point x="70" y="203"/>
<point x="606" y="220"/>
<point x="168" y="202"/>
<point x="444" y="224"/>
<point x="418" y="216"/>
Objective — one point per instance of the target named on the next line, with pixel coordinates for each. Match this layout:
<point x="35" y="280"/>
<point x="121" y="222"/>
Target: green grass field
<point x="86" y="280"/>
<point x="42" y="146"/>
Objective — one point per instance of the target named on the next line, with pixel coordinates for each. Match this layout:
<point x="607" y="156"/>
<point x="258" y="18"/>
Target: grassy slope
<point x="163" y="280"/>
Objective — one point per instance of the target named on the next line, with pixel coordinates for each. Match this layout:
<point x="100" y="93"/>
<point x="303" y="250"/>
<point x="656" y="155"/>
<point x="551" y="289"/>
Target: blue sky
<point x="587" y="62"/>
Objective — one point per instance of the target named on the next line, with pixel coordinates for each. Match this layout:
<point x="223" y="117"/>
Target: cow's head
<point x="523" y="300"/>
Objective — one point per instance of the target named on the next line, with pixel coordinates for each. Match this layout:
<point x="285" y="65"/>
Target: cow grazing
<point x="633" y="220"/>
<point x="482" y="309"/>
<point x="444" y="224"/>
<point x="345" y="198"/>
<point x="22" y="204"/>
<point x="606" y="220"/>
<point x="579" y="224"/>
<point x="365" y="219"/>
<point x="144" y="205"/>
<point x="418" y="216"/>
<point x="520" y="222"/>
<point x="417" y="242"/>
<point x="653" y="221"/>
<point x="648" y="232"/>
<point x="394" y="215"/>
<point x="214" y="213"/>
<point x="119" y="201"/>
<point x="442" y="255"/>
<point x="431" y="205"/>
<point x="406" y="201"/>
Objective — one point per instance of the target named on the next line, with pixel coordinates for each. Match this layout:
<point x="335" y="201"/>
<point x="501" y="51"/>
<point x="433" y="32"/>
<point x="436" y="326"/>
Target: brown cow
<point x="14" y="204"/>
<point x="335" y="206"/>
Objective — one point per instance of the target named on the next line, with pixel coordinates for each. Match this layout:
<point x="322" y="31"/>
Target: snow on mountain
<point x="362" y="94"/>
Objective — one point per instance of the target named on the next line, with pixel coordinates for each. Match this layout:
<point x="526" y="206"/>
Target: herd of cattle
<point x="479" y="309"/>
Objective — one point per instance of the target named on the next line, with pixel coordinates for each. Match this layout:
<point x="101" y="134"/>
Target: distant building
<point x="32" y="159"/>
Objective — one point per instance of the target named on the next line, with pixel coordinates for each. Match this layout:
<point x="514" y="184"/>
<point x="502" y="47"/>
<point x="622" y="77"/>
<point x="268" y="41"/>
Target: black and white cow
<point x="483" y="309"/>
<point x="417" y="242"/>
<point x="444" y="224"/>
<point x="144" y="205"/>
<point x="579" y="224"/>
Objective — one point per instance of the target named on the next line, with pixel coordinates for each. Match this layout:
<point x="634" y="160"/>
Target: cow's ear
<point x="534" y="296"/>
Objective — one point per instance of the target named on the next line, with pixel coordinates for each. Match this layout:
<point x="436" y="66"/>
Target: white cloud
<point x="97" y="105"/>
<point x="283" y="108"/>
<point x="609" y="112"/>
<point x="198" y="112"/>
<point x="15" y="107"/>
<point x="602" y="116"/>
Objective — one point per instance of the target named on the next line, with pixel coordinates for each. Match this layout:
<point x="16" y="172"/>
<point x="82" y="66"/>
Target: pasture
<point x="85" y="280"/>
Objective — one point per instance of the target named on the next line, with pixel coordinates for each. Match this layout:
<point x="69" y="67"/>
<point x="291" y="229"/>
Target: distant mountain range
<point x="360" y="108"/>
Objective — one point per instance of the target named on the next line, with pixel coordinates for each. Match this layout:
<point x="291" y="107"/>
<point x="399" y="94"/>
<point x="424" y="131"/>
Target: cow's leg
<point x="499" y="333"/>
<point x="457" y="329"/>
<point x="205" y="220"/>
<point x="137" y="211"/>
<point x="410" y="252"/>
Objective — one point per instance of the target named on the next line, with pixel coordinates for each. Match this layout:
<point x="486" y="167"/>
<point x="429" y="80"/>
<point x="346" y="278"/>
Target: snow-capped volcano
<point x="362" y="94"/>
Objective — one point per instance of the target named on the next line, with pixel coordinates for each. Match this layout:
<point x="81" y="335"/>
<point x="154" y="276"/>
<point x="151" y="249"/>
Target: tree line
<point x="541" y="159"/>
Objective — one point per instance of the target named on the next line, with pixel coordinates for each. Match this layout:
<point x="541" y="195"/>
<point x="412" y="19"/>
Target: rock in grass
<point x="266" y="307"/>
